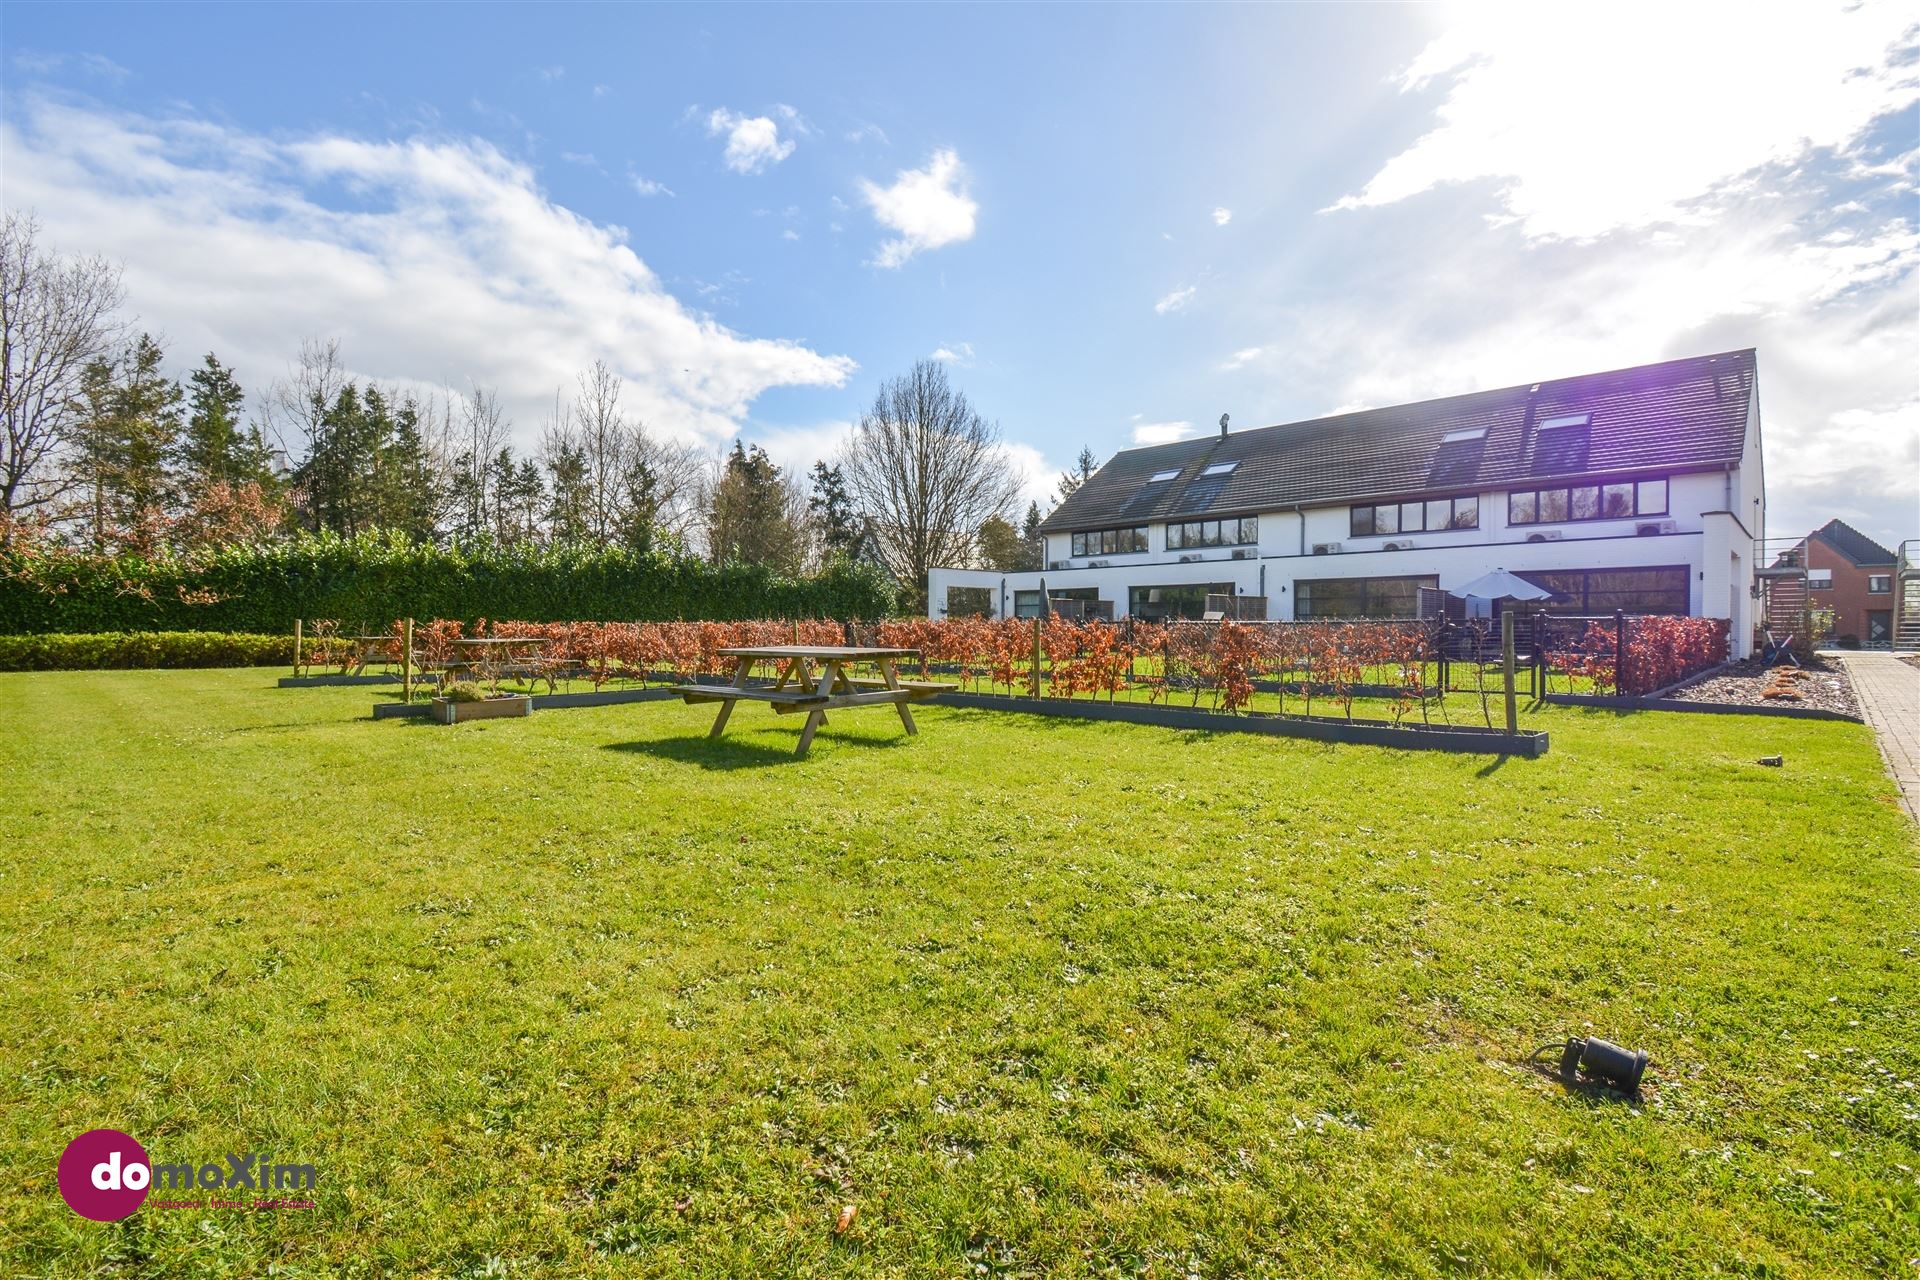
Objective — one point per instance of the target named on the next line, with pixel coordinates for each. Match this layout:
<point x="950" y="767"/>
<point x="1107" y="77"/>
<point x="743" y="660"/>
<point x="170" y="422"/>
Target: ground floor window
<point x="969" y="602"/>
<point x="1026" y="604"/>
<point x="1596" y="592"/>
<point x="1359" y="597"/>
<point x="1187" y="600"/>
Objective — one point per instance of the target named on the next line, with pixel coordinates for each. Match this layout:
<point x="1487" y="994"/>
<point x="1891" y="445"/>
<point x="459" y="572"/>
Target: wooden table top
<point x="821" y="651"/>
<point x="502" y="640"/>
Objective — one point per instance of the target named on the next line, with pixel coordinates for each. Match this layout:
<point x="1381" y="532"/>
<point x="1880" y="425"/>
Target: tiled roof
<point x="1680" y="415"/>
<point x="1853" y="544"/>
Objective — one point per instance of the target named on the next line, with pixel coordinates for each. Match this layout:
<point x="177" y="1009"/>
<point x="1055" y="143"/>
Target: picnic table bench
<point x="795" y="690"/>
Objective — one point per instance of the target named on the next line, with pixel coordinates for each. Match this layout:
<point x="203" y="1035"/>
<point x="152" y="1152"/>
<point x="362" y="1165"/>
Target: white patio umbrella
<point x="1501" y="585"/>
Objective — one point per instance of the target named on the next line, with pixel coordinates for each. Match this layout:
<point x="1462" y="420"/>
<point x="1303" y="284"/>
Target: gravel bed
<point x="1820" y="684"/>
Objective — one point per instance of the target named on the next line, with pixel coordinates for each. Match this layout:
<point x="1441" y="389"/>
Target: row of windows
<point x="1577" y="592"/>
<point x="1619" y="501"/>
<point x="1213" y="533"/>
<point x="1110" y="542"/>
<point x="1414" y="517"/>
<point x="1878" y="584"/>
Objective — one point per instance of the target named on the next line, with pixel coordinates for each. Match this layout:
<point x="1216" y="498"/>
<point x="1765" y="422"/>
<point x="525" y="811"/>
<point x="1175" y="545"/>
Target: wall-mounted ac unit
<point x="1099" y="564"/>
<point x="1246" y="553"/>
<point x="1545" y="535"/>
<point x="1326" y="548"/>
<point x="1397" y="546"/>
<point x="1648" y="528"/>
<point x="1191" y="559"/>
<point x="1059" y="564"/>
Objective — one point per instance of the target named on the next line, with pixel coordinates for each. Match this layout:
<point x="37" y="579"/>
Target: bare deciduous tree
<point x="927" y="470"/>
<point x="56" y="314"/>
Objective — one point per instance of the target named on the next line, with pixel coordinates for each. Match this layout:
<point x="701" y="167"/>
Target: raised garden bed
<point x="1824" y="691"/>
<point x="457" y="711"/>
<point x="1529" y="743"/>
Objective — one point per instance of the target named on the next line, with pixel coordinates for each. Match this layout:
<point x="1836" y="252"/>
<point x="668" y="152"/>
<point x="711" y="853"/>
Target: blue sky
<point x="1117" y="223"/>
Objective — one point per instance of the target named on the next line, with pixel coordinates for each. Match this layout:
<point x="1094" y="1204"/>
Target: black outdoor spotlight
<point x="1605" y="1061"/>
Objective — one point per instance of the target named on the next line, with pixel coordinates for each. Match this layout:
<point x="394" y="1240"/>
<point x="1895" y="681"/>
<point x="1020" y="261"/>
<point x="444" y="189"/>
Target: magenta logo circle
<point x="104" y="1175"/>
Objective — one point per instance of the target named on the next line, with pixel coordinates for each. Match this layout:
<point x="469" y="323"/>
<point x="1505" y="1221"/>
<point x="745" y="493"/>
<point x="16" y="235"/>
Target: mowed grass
<point x="587" y="995"/>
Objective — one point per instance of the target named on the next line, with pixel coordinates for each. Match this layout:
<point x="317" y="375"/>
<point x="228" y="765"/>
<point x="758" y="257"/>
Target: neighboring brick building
<point x="1851" y="574"/>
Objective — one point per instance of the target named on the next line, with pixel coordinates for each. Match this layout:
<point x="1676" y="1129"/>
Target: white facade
<point x="1710" y="528"/>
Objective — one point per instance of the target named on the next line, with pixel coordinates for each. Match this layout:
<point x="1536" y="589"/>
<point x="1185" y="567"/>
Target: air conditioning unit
<point x="1326" y="548"/>
<point x="1191" y="559"/>
<point x="1648" y="528"/>
<point x="1397" y="546"/>
<point x="1059" y="564"/>
<point x="1246" y="553"/>
<point x="1099" y="564"/>
<point x="1545" y="535"/>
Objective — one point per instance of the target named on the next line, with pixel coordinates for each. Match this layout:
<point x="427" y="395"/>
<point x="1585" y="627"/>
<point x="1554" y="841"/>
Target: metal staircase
<point x="1783" y="622"/>
<point x="1906" y="597"/>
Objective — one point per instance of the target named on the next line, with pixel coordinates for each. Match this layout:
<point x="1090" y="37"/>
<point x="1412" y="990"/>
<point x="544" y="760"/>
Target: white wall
<point x="1716" y="552"/>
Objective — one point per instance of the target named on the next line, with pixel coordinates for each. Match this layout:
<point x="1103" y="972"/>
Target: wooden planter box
<point x="447" y="711"/>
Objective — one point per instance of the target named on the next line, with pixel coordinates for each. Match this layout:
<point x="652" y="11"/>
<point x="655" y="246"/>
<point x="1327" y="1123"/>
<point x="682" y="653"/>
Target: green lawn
<point x="589" y="995"/>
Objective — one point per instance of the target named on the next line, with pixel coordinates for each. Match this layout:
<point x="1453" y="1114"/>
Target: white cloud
<point x="929" y="207"/>
<point x="34" y="62"/>
<point x="1176" y="301"/>
<point x="602" y="90"/>
<point x="867" y="131"/>
<point x="435" y="262"/>
<point x="1222" y="216"/>
<point x="1589" y="124"/>
<point x="960" y="353"/>
<point x="552" y="73"/>
<point x="1242" y="358"/>
<point x="1162" y="432"/>
<point x="648" y="187"/>
<point x="753" y="142"/>
<point x="789" y="234"/>
<point x="582" y="158"/>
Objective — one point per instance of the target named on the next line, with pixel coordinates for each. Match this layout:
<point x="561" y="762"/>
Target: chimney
<point x="1223" y="426"/>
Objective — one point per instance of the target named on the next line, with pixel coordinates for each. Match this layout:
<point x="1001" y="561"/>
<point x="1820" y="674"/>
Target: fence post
<point x="1620" y="652"/>
<point x="1036" y="655"/>
<point x="1506" y="663"/>
<point x="296" y="646"/>
<point x="406" y="662"/>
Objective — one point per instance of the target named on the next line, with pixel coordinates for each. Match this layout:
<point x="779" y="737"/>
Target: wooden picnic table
<point x="491" y="657"/>
<point x="366" y="649"/>
<point x="796" y="690"/>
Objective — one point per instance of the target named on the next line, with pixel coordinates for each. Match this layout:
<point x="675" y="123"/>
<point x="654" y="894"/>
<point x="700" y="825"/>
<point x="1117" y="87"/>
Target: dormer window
<point x="1220" y="469"/>
<point x="1161" y="477"/>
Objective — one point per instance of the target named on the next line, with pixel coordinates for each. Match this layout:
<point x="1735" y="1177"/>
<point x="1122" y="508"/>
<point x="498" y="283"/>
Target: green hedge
<point x="368" y="581"/>
<point x="115" y="650"/>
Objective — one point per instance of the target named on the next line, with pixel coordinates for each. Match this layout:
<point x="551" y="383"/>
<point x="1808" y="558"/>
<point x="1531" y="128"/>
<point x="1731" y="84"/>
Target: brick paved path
<point x="1889" y="693"/>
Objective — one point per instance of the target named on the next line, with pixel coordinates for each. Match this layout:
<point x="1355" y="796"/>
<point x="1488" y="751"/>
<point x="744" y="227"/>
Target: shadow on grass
<point x="1592" y="1091"/>
<point x="725" y="754"/>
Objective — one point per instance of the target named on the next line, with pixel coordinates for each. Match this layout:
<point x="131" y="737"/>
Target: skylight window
<point x="1161" y="477"/>
<point x="1465" y="433"/>
<point x="1220" y="469"/>
<point x="1570" y="420"/>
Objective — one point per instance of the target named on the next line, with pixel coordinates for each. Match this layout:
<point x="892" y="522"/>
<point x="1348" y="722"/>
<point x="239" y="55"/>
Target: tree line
<point x="103" y="453"/>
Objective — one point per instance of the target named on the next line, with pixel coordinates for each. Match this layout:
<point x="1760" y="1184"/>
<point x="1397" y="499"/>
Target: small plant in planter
<point x="465" y="700"/>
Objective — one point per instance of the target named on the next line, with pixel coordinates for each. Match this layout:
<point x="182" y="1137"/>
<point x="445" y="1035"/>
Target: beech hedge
<point x="138" y="649"/>
<point x="369" y="580"/>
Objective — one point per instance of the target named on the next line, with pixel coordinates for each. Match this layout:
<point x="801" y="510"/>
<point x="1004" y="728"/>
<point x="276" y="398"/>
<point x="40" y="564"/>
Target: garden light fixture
<point x="1601" y="1060"/>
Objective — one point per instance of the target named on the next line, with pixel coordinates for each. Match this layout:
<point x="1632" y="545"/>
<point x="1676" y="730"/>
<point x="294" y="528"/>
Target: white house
<point x="1640" y="489"/>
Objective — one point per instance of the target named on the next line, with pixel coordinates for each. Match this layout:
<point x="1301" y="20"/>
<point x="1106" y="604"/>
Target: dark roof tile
<point x="1678" y="415"/>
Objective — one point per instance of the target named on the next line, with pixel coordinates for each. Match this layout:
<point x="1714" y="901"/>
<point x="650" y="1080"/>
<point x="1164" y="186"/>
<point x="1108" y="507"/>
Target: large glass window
<point x="1617" y="500"/>
<point x="1110" y="542"/>
<point x="1187" y="600"/>
<point x="1879" y="584"/>
<point x="1026" y="604"/>
<point x="1598" y="592"/>
<point x="1213" y="533"/>
<point x="1359" y="597"/>
<point x="969" y="602"/>
<point x="1387" y="519"/>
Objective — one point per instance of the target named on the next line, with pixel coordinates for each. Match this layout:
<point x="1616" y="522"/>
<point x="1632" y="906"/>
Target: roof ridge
<point x="1707" y="357"/>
